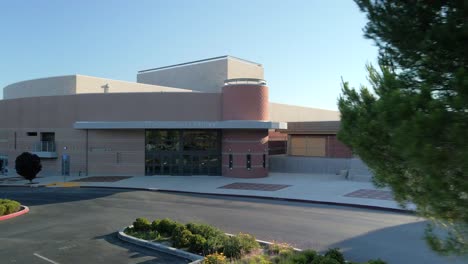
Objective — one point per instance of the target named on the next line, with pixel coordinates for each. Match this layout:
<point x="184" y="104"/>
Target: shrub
<point x="215" y="244"/>
<point x="275" y="248"/>
<point x="206" y="231"/>
<point x="215" y="258"/>
<point x="335" y="254"/>
<point x="181" y="237"/>
<point x="2" y="209"/>
<point x="166" y="226"/>
<point x="259" y="260"/>
<point x="232" y="248"/>
<point x="155" y="224"/>
<point x="197" y="244"/>
<point x="248" y="242"/>
<point x="142" y="224"/>
<point x="9" y="206"/>
<point x="309" y="254"/>
<point x="324" y="260"/>
<point x="28" y="165"/>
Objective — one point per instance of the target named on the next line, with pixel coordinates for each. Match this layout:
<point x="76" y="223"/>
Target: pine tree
<point x="411" y="125"/>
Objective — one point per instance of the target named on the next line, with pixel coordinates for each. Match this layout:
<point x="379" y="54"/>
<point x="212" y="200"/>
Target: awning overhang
<point x="228" y="124"/>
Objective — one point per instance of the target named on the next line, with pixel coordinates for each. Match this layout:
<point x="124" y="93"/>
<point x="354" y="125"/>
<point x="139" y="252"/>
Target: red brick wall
<point x="239" y="143"/>
<point x="336" y="149"/>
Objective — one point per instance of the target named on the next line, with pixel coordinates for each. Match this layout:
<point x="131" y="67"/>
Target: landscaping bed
<point x="219" y="248"/>
<point x="9" y="207"/>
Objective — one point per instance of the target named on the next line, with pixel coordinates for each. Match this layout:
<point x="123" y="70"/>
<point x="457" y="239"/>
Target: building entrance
<point x="183" y="152"/>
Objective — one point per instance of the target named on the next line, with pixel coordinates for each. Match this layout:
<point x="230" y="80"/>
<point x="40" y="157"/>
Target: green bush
<point x="2" y="209"/>
<point x="142" y="224"/>
<point x="248" y="242"/>
<point x="376" y="261"/>
<point x="9" y="206"/>
<point x="166" y="226"/>
<point x="335" y="254"/>
<point x="309" y="254"/>
<point x="155" y="225"/>
<point x="232" y="248"/>
<point x="181" y="237"/>
<point x="204" y="230"/>
<point x="197" y="244"/>
<point x="215" y="244"/>
<point x="324" y="260"/>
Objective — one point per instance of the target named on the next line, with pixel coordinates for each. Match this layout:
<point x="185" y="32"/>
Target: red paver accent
<point x="24" y="210"/>
<point x="254" y="186"/>
<point x="103" y="179"/>
<point x="371" y="194"/>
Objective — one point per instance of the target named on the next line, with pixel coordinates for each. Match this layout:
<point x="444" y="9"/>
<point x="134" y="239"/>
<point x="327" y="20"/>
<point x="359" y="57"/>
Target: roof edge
<point x="199" y="61"/>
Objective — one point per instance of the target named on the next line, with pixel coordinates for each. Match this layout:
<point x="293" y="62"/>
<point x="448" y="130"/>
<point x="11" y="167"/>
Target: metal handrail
<point x="245" y="81"/>
<point x="44" y="146"/>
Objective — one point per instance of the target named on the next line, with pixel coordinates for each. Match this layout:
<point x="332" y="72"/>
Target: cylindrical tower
<point x="245" y="152"/>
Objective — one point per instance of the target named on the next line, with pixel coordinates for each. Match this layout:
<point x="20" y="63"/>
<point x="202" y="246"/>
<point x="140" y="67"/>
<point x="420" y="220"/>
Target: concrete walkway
<point x="304" y="187"/>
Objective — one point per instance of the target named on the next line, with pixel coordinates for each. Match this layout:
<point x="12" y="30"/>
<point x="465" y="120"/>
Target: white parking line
<point x="46" y="259"/>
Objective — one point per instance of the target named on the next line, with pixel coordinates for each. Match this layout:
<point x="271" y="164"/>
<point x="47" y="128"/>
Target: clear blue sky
<point x="304" y="46"/>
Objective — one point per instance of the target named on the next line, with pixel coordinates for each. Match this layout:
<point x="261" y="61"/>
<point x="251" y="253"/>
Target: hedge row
<point x="195" y="237"/>
<point x="9" y="206"/>
<point x="218" y="248"/>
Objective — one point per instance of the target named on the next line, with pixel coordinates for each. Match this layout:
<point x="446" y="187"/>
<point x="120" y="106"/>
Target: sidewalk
<point x="332" y="189"/>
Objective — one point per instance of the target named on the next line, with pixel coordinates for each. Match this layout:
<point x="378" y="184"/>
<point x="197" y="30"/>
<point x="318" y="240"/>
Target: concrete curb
<point x="23" y="211"/>
<point x="160" y="247"/>
<point x="362" y="206"/>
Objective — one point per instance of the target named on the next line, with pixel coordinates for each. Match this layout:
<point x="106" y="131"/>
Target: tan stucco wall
<point x="60" y="85"/>
<point x="89" y="84"/>
<point x="77" y="84"/>
<point x="208" y="76"/>
<point x="205" y="77"/>
<point x="242" y="69"/>
<point x="292" y="113"/>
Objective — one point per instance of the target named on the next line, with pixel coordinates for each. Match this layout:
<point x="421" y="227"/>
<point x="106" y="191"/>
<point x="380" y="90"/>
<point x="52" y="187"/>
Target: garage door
<point x="307" y="146"/>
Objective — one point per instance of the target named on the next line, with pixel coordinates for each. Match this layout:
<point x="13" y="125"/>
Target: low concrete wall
<point x="352" y="169"/>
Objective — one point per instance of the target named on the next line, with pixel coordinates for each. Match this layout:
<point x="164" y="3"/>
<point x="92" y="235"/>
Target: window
<point x="32" y="134"/>
<point x="230" y="161"/>
<point x="264" y="160"/>
<point x="249" y="161"/>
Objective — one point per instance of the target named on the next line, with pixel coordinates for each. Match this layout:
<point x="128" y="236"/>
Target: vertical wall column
<point x="245" y="151"/>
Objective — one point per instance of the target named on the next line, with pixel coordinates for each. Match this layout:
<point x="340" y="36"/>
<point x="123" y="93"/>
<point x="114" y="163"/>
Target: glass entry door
<point x="183" y="152"/>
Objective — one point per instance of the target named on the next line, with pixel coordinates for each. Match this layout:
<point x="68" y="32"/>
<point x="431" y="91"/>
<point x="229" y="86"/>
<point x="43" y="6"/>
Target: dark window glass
<point x="249" y="161"/>
<point x="230" y="161"/>
<point x="32" y="134"/>
<point x="200" y="140"/>
<point x="264" y="160"/>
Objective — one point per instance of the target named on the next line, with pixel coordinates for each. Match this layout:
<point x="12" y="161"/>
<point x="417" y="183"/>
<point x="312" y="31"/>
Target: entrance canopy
<point x="229" y="124"/>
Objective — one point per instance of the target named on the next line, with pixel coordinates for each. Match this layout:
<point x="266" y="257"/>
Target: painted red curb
<point x="21" y="212"/>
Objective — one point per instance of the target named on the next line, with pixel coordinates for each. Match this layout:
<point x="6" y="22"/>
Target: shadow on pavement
<point x="32" y="196"/>
<point x="388" y="245"/>
<point x="140" y="252"/>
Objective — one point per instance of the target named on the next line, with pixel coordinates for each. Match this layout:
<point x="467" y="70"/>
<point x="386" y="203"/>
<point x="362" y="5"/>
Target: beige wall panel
<point x="60" y="85"/>
<point x="242" y="69"/>
<point x="207" y="76"/>
<point x="292" y="113"/>
<point x="89" y="84"/>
